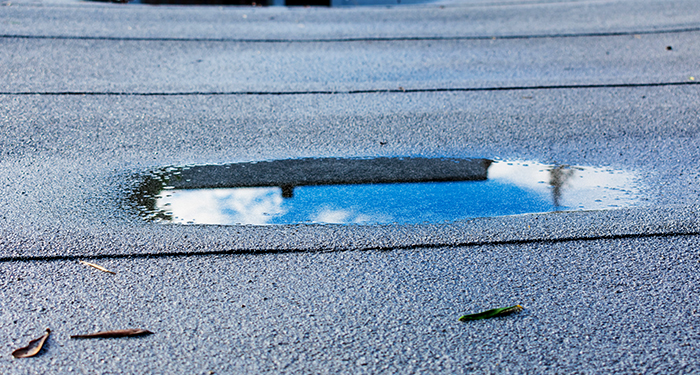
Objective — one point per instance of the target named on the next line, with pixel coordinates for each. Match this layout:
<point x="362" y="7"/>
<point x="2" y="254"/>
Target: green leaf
<point x="503" y="311"/>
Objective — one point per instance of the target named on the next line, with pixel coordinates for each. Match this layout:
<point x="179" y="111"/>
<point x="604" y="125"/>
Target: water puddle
<point x="380" y="190"/>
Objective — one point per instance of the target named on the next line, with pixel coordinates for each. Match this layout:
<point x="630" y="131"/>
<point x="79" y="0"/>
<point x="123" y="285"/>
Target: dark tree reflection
<point x="559" y="176"/>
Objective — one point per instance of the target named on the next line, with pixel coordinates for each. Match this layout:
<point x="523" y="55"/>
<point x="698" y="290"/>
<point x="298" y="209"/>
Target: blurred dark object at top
<point x="289" y="3"/>
<point x="324" y="3"/>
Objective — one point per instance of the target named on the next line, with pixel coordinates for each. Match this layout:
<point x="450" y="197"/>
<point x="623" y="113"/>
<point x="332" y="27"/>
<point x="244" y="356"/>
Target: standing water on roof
<point x="505" y="188"/>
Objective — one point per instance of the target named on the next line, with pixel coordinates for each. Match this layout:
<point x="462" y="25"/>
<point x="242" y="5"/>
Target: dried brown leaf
<point x="113" y="334"/>
<point x="97" y="266"/>
<point x="33" y="348"/>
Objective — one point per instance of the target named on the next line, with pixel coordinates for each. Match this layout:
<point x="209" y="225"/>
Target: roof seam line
<point x="373" y="248"/>
<point x="367" y="39"/>
<point x="350" y="92"/>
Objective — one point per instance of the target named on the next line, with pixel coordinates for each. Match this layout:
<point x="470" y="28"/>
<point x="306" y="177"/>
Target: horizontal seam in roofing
<point x="50" y="258"/>
<point x="360" y="39"/>
<point x="350" y="92"/>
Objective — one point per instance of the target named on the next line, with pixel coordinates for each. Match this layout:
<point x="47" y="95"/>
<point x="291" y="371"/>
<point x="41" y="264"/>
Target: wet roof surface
<point x="604" y="290"/>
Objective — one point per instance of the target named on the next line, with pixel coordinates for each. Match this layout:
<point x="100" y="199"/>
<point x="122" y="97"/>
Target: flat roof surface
<point x="92" y="94"/>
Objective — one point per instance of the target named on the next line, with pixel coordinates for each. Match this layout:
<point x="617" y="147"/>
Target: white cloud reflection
<point x="223" y="206"/>
<point x="340" y="216"/>
<point x="588" y="188"/>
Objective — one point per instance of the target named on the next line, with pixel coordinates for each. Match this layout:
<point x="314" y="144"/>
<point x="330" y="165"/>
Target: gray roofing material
<point x="85" y="105"/>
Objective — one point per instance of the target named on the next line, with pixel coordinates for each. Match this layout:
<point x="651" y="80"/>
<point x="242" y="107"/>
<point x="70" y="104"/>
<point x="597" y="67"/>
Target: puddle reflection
<point x="572" y="187"/>
<point x="511" y="188"/>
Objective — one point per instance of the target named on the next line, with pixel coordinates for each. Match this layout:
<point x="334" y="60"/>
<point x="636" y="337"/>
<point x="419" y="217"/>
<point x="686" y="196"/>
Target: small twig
<point x="97" y="266"/>
<point x="114" y="334"/>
